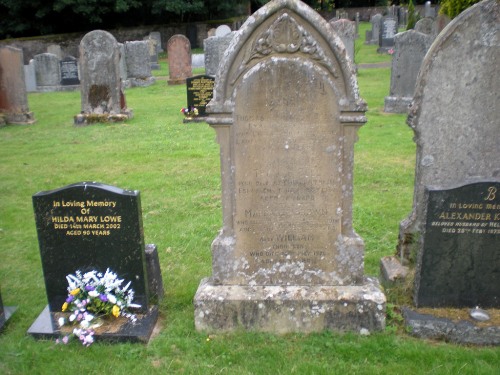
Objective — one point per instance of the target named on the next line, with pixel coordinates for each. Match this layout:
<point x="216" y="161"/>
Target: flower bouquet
<point x="92" y="297"/>
<point x="190" y="112"/>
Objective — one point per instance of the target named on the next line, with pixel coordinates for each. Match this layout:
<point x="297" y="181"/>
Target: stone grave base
<point x="188" y="120"/>
<point x="46" y="327"/>
<point x="7" y="313"/>
<point x="92" y="118"/>
<point x="285" y="309"/>
<point x="397" y="104"/>
<point x="26" y="118"/>
<point x="142" y="82"/>
<point x="428" y="326"/>
<point x="57" y="88"/>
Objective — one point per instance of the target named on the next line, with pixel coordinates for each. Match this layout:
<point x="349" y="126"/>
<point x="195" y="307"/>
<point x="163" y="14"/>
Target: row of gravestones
<point x="287" y="258"/>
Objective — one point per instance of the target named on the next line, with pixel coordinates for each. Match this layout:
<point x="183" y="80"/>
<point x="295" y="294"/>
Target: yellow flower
<point x="65" y="306"/>
<point x="115" y="311"/>
<point x="74" y="292"/>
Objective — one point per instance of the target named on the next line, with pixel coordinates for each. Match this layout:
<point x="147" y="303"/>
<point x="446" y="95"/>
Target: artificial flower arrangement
<point x="190" y="111"/>
<point x="93" y="296"/>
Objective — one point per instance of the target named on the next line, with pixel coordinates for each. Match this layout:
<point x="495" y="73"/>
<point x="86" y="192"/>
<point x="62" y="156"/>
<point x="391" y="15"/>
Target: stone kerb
<point x="265" y="276"/>
<point x="410" y="48"/>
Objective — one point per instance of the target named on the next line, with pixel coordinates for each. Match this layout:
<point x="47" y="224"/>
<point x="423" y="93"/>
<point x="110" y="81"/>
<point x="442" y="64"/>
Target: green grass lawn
<point x="176" y="168"/>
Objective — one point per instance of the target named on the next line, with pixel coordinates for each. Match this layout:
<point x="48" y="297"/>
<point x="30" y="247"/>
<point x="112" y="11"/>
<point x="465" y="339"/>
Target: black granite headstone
<point x="200" y="90"/>
<point x="89" y="226"/>
<point x="5" y="313"/>
<point x="388" y="30"/>
<point x="69" y="72"/>
<point x="460" y="257"/>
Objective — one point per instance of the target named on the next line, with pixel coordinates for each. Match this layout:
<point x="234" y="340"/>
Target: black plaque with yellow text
<point x="200" y="90"/>
<point x="459" y="264"/>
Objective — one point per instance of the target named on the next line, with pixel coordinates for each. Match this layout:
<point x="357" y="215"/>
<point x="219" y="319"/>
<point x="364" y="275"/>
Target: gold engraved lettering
<point x="492" y="191"/>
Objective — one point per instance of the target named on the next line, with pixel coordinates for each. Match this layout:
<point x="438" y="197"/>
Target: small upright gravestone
<point x="69" y="71"/>
<point x="47" y="72"/>
<point x="214" y="48"/>
<point x="200" y="91"/>
<point x="457" y="133"/>
<point x="388" y="30"/>
<point x="179" y="59"/>
<point x="137" y="58"/>
<point x="92" y="227"/>
<point x="101" y="90"/>
<point x="410" y="48"/>
<point x="375" y="32"/>
<point x="13" y="98"/>
<point x="346" y="30"/>
<point x="427" y="26"/>
<point x="286" y="110"/>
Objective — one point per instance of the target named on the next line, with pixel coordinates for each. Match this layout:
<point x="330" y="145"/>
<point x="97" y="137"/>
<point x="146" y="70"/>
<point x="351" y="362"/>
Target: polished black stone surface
<point x="90" y="226"/>
<point x="46" y="327"/>
<point x="5" y="313"/>
<point x="459" y="265"/>
<point x="200" y="90"/>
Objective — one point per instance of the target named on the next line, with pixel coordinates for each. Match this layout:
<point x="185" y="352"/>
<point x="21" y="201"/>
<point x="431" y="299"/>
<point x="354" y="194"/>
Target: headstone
<point x="389" y="29"/>
<point x="199" y="92"/>
<point x="287" y="258"/>
<point x="101" y="89"/>
<point x="13" y="98"/>
<point x="179" y="59"/>
<point x="47" y="72"/>
<point x="410" y="48"/>
<point x="137" y="58"/>
<point x="5" y="313"/>
<point x="455" y="114"/>
<point x="156" y="35"/>
<point x="222" y="30"/>
<point x="459" y="264"/>
<point x="346" y="30"/>
<point x="356" y="20"/>
<point x="375" y="21"/>
<point x="123" y="66"/>
<point x="153" y="52"/>
<point x="86" y="227"/>
<point x="428" y="10"/>
<point x="29" y="76"/>
<point x="426" y="26"/>
<point x="214" y="48"/>
<point x="198" y="60"/>
<point x="55" y="49"/>
<point x="69" y="71"/>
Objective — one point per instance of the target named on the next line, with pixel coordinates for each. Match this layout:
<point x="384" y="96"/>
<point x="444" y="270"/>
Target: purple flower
<point x="70" y="299"/>
<point x="88" y="288"/>
<point x="103" y="298"/>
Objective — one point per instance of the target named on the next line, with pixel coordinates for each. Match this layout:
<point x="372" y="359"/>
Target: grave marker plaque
<point x="69" y="71"/>
<point x="460" y="260"/>
<point x="200" y="90"/>
<point x="90" y="226"/>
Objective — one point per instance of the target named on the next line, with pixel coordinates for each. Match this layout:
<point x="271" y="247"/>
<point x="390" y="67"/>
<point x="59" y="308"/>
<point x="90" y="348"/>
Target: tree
<point x="453" y="8"/>
<point x="413" y="16"/>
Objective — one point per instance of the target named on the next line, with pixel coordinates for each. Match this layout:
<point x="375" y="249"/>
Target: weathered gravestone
<point x="388" y="30"/>
<point x="346" y="30"/>
<point x="410" y="48"/>
<point x="29" y="76"/>
<point x="13" y="98"/>
<point x="286" y="110"/>
<point x="222" y="30"/>
<point x="87" y="227"/>
<point x="137" y="58"/>
<point x="375" y="32"/>
<point x="101" y="89"/>
<point x="47" y="72"/>
<point x="199" y="92"/>
<point x="214" y="48"/>
<point x="179" y="59"/>
<point x="153" y="52"/>
<point x="69" y="71"/>
<point x="427" y="26"/>
<point x="459" y="262"/>
<point x="5" y="313"/>
<point x="455" y="116"/>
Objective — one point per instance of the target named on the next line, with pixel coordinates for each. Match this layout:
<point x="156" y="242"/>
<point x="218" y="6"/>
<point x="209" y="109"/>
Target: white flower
<point x="84" y="324"/>
<point x="61" y="322"/>
<point x="72" y="317"/>
<point x="111" y="298"/>
<point x="93" y="293"/>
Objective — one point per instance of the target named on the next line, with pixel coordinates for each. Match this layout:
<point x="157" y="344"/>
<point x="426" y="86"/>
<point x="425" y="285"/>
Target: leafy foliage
<point x="453" y="8"/>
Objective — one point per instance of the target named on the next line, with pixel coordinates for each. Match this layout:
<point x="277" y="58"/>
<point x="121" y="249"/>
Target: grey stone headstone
<point x="13" y="97"/>
<point x="287" y="249"/>
<point x="455" y="112"/>
<point x="198" y="60"/>
<point x="222" y="30"/>
<point x="137" y="58"/>
<point x="426" y="26"/>
<point x="101" y="90"/>
<point x="375" y="21"/>
<point x="214" y="48"/>
<point x="428" y="10"/>
<point x="409" y="51"/>
<point x="346" y="30"/>
<point x="29" y="76"/>
<point x="47" y="71"/>
<point x="156" y="35"/>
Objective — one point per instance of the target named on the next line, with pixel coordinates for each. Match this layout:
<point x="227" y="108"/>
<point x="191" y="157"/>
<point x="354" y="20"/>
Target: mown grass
<point x="176" y="168"/>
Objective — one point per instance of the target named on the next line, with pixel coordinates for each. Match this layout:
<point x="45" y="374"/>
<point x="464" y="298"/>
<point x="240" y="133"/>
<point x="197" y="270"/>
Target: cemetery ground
<point x="175" y="166"/>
